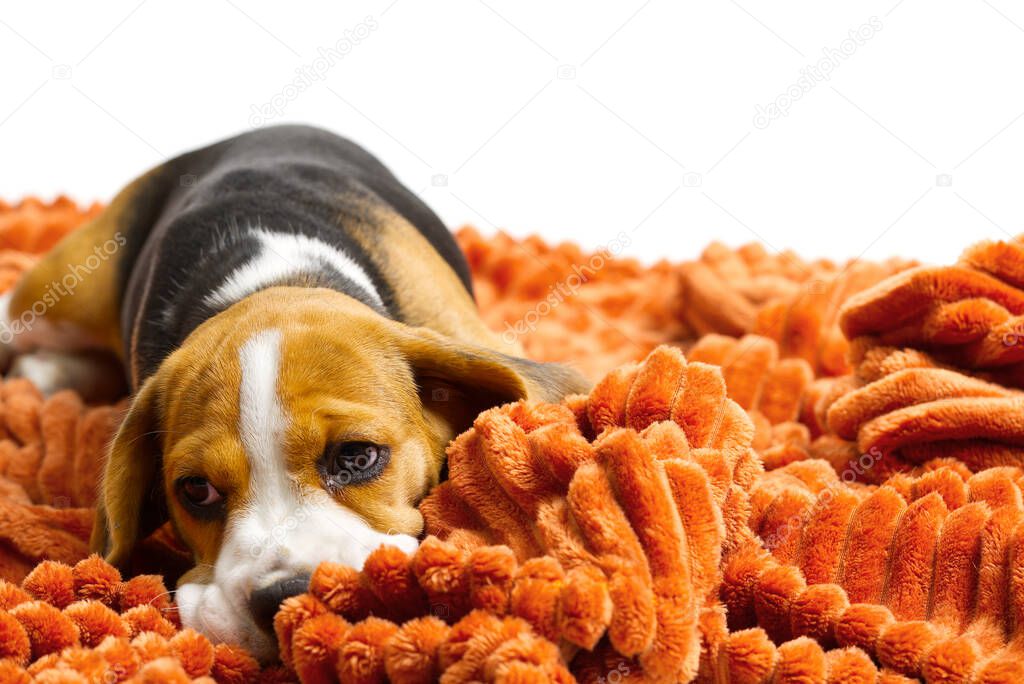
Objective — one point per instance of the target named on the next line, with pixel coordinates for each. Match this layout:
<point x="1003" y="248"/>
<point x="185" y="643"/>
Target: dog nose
<point x="264" y="602"/>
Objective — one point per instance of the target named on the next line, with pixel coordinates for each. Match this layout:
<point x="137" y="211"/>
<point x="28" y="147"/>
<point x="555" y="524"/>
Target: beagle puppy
<point x="299" y="333"/>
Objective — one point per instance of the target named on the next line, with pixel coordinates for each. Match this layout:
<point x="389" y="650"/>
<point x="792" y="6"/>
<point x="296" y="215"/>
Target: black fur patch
<point x="191" y="227"/>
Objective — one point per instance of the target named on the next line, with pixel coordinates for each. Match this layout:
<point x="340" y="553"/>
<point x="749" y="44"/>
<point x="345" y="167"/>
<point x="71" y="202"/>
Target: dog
<point x="301" y="340"/>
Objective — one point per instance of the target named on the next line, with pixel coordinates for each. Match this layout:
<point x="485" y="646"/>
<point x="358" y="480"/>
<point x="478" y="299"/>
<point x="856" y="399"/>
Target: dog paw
<point x="94" y="377"/>
<point x="43" y="369"/>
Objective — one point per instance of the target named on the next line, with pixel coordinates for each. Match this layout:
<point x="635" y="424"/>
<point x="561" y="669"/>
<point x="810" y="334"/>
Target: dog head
<point x="295" y="427"/>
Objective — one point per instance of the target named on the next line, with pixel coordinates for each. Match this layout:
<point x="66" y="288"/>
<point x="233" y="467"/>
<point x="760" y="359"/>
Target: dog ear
<point x="131" y="503"/>
<point x="458" y="380"/>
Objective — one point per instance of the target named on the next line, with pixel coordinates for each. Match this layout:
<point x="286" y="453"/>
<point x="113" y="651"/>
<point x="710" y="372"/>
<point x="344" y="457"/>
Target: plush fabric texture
<point x="937" y="372"/>
<point x="770" y="389"/>
<point x="591" y="311"/>
<point x="33" y="226"/>
<point x="919" y="572"/>
<point x="51" y="451"/>
<point x="83" y="623"/>
<point x="779" y="296"/>
<point x="787" y="471"/>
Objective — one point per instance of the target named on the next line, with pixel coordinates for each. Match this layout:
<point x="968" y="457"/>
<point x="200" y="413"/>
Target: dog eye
<point x="347" y="463"/>
<point x="197" y="492"/>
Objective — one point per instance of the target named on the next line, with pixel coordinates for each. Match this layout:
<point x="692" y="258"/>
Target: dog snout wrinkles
<point x="264" y="602"/>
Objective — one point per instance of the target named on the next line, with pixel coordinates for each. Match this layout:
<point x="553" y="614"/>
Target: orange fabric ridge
<point x="787" y="471"/>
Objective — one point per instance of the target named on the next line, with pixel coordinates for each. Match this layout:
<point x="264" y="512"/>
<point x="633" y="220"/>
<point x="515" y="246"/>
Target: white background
<point x="573" y="120"/>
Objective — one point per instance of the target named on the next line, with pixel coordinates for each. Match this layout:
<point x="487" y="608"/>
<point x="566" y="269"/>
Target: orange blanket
<point x="827" y="487"/>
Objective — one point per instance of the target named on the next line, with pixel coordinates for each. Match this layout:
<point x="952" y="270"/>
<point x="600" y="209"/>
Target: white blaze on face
<point x="282" y="531"/>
